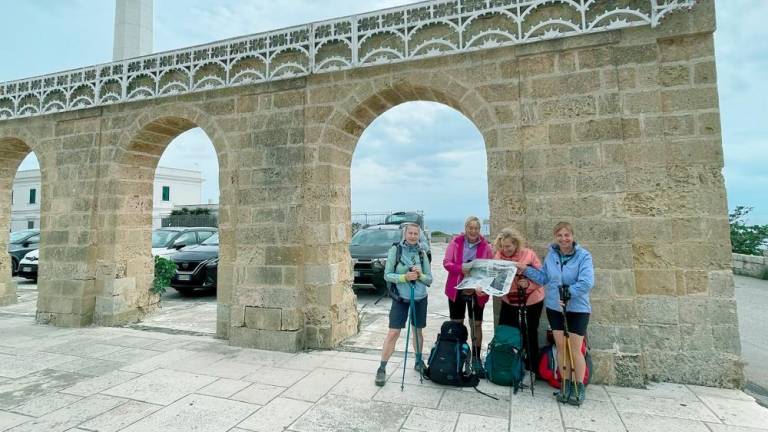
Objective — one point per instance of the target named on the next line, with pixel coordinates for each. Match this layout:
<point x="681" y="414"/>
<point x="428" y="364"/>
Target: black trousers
<point x="509" y="316"/>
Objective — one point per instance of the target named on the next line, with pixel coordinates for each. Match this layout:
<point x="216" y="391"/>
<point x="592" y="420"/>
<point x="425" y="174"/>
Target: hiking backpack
<point x="504" y="363"/>
<point x="392" y="287"/>
<point x="549" y="371"/>
<point x="449" y="356"/>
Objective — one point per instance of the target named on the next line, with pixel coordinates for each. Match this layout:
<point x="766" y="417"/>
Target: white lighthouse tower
<point x="133" y="28"/>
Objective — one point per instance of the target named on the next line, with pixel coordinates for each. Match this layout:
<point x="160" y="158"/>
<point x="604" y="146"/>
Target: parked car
<point x="28" y="265"/>
<point x="167" y="241"/>
<point x="20" y="243"/>
<point x="196" y="266"/>
<point x="369" y="248"/>
<point x="402" y="217"/>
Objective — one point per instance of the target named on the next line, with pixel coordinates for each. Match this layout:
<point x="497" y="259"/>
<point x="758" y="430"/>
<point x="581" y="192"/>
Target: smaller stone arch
<point x="15" y="145"/>
<point x="125" y="267"/>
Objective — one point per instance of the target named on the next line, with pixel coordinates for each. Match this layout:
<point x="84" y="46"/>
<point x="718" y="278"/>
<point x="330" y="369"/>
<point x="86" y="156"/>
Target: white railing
<point x="431" y="28"/>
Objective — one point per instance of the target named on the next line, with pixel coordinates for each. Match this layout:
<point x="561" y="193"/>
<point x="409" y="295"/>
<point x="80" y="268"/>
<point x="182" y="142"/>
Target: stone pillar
<point x="268" y="248"/>
<point x="686" y="310"/>
<point x="66" y="289"/>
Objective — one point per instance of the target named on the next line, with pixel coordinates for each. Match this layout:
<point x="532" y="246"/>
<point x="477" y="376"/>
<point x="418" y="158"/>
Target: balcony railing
<point x="426" y="29"/>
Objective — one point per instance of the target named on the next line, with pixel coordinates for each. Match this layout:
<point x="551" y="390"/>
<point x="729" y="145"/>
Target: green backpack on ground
<point x="504" y="363"/>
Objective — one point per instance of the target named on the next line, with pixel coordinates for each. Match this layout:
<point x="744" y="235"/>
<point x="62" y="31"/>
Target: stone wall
<point x="617" y="132"/>
<point x="750" y="265"/>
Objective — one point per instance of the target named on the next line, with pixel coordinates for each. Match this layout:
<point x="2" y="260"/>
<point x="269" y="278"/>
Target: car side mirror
<point x="25" y="244"/>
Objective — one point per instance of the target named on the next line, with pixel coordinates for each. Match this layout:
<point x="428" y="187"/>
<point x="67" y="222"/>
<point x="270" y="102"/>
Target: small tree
<point x="164" y="271"/>
<point x="746" y="239"/>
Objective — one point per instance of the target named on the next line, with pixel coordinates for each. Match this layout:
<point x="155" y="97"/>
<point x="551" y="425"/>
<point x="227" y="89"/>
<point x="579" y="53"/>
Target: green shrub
<point x="164" y="271"/>
<point x="440" y="234"/>
<point x="746" y="239"/>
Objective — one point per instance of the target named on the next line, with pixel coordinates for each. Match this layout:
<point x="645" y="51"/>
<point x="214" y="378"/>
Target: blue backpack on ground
<point x="504" y="364"/>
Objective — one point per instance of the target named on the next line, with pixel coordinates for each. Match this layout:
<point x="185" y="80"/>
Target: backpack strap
<point x="393" y="292"/>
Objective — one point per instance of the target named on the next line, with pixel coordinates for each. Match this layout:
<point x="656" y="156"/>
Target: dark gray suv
<point x="369" y="248"/>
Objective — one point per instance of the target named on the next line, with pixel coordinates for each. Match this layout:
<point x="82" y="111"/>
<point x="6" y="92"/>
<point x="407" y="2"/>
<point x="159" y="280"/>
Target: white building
<point x="25" y="200"/>
<point x="174" y="188"/>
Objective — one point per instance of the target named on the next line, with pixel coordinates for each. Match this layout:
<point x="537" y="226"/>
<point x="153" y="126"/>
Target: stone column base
<point x="119" y="302"/>
<point x="272" y="340"/>
<point x="8" y="293"/>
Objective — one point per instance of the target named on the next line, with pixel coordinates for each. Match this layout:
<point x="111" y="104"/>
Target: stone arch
<point x="330" y="308"/>
<point x="125" y="267"/>
<point x="15" y="145"/>
<point x="367" y="102"/>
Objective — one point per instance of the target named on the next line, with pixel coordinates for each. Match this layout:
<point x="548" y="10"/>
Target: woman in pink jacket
<point x="510" y="246"/>
<point x="463" y="249"/>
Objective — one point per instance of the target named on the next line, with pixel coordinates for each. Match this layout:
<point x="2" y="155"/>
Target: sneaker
<point x="381" y="377"/>
<point x="565" y="391"/>
<point x="477" y="366"/>
<point x="420" y="367"/>
<point x="580" y="396"/>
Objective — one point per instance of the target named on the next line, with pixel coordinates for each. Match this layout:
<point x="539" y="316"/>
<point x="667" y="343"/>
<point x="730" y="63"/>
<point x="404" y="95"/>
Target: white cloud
<point x="438" y="138"/>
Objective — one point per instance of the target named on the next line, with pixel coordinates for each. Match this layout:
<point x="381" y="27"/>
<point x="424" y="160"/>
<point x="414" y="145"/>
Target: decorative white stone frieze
<point x="426" y="29"/>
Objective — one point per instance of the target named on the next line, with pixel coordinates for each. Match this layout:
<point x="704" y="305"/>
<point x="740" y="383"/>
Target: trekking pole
<point x="523" y="319"/>
<point x="472" y="351"/>
<point x="408" y="323"/>
<point x="472" y="332"/>
<point x="565" y="295"/>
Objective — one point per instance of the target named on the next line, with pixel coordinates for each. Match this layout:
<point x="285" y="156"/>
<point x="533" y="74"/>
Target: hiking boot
<point x="565" y="391"/>
<point x="581" y="394"/>
<point x="381" y="377"/>
<point x="477" y="366"/>
<point x="420" y="367"/>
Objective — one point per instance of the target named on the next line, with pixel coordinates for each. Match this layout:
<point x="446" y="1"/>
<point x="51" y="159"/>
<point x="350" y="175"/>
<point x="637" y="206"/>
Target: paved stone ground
<point x="121" y="379"/>
<point x="752" y="303"/>
<point x="176" y="379"/>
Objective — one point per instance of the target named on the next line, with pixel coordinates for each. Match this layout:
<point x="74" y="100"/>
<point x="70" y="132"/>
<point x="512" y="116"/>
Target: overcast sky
<point x="442" y="150"/>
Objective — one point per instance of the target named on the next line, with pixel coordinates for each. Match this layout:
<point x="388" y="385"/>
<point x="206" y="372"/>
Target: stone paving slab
<point x="195" y="412"/>
<point x="277" y="415"/>
<point x="118" y="379"/>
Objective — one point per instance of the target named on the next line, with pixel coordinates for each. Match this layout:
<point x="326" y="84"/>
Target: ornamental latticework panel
<point x="426" y="29"/>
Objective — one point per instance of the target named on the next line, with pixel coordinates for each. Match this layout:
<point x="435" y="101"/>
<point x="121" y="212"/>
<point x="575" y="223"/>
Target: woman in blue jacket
<point x="567" y="267"/>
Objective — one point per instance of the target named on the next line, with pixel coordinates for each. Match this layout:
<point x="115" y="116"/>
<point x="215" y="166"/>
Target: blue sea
<point x="450" y="226"/>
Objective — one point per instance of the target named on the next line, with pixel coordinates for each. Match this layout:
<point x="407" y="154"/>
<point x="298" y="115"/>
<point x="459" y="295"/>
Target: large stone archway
<point x="124" y="265"/>
<point x="12" y="151"/>
<point x="604" y="117"/>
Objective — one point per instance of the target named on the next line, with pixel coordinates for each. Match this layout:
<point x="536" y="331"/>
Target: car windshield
<point x="212" y="240"/>
<point x="160" y="238"/>
<point x="400" y="218"/>
<point x="376" y="237"/>
<point x="19" y="235"/>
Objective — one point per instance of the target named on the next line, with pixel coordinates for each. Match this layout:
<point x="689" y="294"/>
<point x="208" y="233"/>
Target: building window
<point x="166" y="193"/>
<point x="30" y="224"/>
<point x="32" y="196"/>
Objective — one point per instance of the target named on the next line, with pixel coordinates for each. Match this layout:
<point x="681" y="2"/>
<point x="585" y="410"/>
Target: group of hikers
<point x="560" y="285"/>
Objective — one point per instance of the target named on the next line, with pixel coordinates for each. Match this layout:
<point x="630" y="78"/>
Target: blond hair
<point x="509" y="233"/>
<point x="562" y="225"/>
<point x="471" y="219"/>
<point x="405" y="226"/>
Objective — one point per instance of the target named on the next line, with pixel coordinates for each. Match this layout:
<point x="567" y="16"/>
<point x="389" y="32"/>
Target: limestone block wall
<point x="616" y="132"/>
<point x="750" y="265"/>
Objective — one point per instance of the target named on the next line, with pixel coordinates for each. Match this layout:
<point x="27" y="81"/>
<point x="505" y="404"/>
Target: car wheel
<point x="14" y="267"/>
<point x="183" y="291"/>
